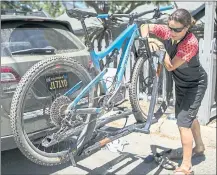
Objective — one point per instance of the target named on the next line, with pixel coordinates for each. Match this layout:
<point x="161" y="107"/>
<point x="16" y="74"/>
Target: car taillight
<point x="9" y="75"/>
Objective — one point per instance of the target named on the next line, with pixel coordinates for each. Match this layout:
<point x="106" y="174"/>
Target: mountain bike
<point x="74" y="112"/>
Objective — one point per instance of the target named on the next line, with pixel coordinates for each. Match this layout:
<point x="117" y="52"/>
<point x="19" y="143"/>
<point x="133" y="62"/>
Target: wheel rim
<point x="38" y="148"/>
<point x="144" y="90"/>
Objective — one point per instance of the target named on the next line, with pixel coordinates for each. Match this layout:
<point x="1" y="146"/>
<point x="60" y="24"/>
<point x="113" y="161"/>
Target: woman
<point x="189" y="76"/>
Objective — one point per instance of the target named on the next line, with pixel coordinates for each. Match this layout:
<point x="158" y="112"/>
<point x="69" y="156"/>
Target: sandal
<point x="164" y="162"/>
<point x="181" y="171"/>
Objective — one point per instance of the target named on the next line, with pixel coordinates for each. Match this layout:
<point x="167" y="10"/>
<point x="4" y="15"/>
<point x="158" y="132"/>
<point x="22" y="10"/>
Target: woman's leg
<point x="189" y="126"/>
<point x="195" y="128"/>
<point x="187" y="144"/>
<point x="184" y="122"/>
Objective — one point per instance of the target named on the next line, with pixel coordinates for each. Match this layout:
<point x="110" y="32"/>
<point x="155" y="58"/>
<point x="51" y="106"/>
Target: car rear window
<point x="29" y="36"/>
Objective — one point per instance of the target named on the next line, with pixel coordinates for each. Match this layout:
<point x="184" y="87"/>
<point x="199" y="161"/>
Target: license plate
<point x="55" y="82"/>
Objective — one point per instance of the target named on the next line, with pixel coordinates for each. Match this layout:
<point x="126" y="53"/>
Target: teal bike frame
<point x="128" y="35"/>
<point x="126" y="39"/>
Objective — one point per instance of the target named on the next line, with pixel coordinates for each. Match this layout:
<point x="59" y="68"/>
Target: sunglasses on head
<point x="177" y="30"/>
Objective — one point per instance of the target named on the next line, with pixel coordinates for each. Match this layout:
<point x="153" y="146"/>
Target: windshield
<point x="33" y="36"/>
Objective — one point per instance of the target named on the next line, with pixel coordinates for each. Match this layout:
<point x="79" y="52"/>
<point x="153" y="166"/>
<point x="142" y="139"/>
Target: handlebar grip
<point x="166" y="8"/>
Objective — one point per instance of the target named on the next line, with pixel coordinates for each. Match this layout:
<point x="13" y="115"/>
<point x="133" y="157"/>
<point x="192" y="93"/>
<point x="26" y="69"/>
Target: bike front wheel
<point x="140" y="91"/>
<point x="38" y="107"/>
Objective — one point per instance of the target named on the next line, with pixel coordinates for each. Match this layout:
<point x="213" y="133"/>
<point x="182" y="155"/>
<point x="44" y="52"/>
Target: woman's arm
<point x="152" y="28"/>
<point x="186" y="50"/>
<point x="174" y="63"/>
<point x="159" y="30"/>
<point x="146" y="28"/>
<point x="183" y="55"/>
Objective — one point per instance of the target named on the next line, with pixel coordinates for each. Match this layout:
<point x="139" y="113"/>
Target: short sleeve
<point x="188" y="48"/>
<point x="161" y="31"/>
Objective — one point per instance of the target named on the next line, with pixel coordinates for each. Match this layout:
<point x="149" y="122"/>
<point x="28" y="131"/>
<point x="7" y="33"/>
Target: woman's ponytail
<point x="193" y="22"/>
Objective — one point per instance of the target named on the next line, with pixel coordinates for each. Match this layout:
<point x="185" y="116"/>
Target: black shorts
<point x="188" y="101"/>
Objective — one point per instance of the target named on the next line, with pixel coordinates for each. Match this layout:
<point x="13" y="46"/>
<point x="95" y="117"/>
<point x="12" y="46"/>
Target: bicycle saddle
<point x="77" y="13"/>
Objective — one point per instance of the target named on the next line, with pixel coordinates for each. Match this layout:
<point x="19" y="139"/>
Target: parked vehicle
<point x="26" y="40"/>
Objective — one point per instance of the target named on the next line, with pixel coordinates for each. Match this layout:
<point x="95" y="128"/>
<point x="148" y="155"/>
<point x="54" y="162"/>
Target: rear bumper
<point x="7" y="143"/>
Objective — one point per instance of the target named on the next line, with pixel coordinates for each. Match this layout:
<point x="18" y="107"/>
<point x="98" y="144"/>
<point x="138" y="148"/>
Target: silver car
<point x="26" y="40"/>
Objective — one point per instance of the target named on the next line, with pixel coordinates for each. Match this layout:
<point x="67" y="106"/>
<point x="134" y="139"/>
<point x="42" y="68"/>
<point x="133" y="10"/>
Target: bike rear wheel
<point x="29" y="133"/>
<point x="140" y="90"/>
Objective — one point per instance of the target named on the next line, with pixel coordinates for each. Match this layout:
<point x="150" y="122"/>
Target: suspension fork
<point x="151" y="118"/>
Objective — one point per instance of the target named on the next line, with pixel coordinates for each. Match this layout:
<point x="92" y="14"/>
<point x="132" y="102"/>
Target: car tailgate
<point x="20" y="64"/>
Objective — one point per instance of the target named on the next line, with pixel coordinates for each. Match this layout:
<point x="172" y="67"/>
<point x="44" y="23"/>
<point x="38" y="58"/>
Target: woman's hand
<point x="155" y="44"/>
<point x="153" y="47"/>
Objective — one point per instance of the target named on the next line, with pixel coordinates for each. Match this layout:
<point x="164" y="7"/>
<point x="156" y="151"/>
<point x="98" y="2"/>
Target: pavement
<point x="137" y="147"/>
<point x="134" y="148"/>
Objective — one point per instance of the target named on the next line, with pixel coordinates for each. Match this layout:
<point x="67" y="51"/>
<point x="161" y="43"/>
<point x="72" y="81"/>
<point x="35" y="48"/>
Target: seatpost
<point x="89" y="45"/>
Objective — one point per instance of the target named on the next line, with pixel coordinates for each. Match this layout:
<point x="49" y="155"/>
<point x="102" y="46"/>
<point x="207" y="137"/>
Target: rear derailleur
<point x="69" y="127"/>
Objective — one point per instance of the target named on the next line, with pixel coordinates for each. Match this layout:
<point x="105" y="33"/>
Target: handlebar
<point x="84" y="14"/>
<point x="137" y="15"/>
<point x="166" y="8"/>
<point x="130" y="15"/>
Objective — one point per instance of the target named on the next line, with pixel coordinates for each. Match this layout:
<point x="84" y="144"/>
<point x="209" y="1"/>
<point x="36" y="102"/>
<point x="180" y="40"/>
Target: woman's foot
<point x="176" y="154"/>
<point x="198" y="151"/>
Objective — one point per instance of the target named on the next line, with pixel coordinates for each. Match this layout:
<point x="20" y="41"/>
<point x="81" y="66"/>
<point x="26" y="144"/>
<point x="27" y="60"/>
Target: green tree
<point x="56" y="8"/>
<point x="53" y="8"/>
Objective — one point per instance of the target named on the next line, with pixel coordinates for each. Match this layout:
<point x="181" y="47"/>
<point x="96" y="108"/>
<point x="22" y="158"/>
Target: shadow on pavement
<point x="127" y="158"/>
<point x="13" y="162"/>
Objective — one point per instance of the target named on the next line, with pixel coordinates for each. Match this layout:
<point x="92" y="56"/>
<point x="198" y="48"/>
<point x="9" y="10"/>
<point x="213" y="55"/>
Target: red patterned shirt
<point x="187" y="49"/>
